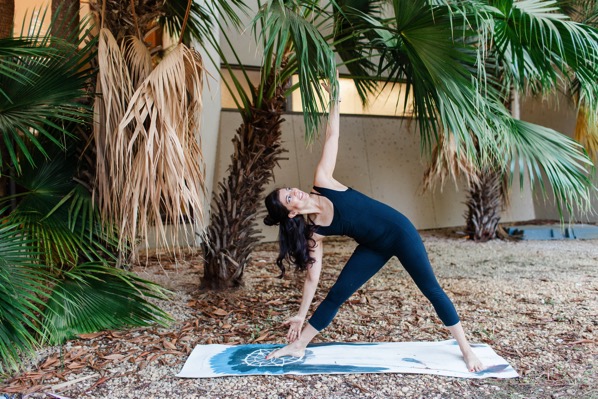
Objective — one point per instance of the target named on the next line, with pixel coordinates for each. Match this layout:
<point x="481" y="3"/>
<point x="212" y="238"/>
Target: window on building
<point x="390" y="101"/>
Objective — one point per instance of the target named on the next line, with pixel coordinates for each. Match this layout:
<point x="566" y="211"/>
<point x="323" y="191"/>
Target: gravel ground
<point x="534" y="302"/>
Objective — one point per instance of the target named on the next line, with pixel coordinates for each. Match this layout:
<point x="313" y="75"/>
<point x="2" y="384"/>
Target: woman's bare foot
<point x="473" y="363"/>
<point x="289" y="350"/>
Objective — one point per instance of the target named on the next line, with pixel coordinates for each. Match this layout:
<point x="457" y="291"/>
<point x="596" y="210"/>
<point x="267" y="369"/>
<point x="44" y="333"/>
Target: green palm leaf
<point x="351" y="46"/>
<point x="540" y="151"/>
<point x="85" y="291"/>
<point x="57" y="213"/>
<point x="538" y="46"/>
<point x="23" y="286"/>
<point x="291" y="28"/>
<point x="430" y="49"/>
<point x="41" y="93"/>
<point x="93" y="297"/>
<point x="201" y="17"/>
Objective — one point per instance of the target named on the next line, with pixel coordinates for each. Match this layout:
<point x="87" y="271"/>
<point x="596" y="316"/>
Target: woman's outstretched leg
<point x="414" y="258"/>
<point x="471" y="360"/>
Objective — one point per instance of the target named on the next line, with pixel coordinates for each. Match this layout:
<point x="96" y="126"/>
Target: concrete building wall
<point x="378" y="156"/>
<point x="560" y="115"/>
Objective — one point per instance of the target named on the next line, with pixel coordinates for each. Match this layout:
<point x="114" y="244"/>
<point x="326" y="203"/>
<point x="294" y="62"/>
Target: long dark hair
<point x="295" y="235"/>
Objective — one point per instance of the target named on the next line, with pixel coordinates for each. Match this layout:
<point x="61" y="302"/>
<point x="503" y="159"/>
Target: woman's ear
<point x="292" y="214"/>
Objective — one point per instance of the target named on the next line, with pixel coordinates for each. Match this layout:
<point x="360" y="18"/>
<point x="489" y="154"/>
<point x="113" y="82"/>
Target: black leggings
<point x="365" y="262"/>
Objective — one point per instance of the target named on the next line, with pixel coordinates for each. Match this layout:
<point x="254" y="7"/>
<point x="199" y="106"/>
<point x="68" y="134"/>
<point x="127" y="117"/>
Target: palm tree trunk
<point x="7" y="17"/>
<point x="488" y="194"/>
<point x="232" y="235"/>
<point x="67" y="18"/>
<point x="484" y="205"/>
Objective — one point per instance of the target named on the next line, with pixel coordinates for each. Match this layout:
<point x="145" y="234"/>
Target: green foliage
<point x="58" y="274"/>
<point x="296" y="37"/>
<point x="96" y="296"/>
<point x="547" y="154"/>
<point x="201" y="17"/>
<point x="58" y="265"/>
<point x="23" y="283"/>
<point x="460" y="61"/>
<point x="293" y="29"/>
<point x="42" y="79"/>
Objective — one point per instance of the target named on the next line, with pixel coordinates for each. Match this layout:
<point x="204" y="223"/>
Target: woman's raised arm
<point x="325" y="169"/>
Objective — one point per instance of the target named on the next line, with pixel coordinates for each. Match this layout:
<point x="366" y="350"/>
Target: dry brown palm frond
<point x="586" y="131"/>
<point x="448" y="162"/>
<point x="164" y="180"/>
<point x="138" y="59"/>
<point x="115" y="90"/>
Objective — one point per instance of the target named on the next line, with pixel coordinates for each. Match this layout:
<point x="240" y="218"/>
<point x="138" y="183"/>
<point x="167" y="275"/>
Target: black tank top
<point x="362" y="218"/>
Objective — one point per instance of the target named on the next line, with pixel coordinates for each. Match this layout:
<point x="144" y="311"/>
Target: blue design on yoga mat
<point x="237" y="360"/>
<point x="411" y="360"/>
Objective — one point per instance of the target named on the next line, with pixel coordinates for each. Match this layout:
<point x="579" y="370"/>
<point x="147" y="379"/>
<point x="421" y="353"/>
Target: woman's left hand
<point x="295" y="325"/>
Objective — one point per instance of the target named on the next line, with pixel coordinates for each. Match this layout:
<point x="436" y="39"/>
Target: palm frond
<point x="352" y="40"/>
<point x="586" y="131"/>
<point x="137" y="58"/>
<point x="538" y="150"/>
<point x="13" y="48"/>
<point x="57" y="213"/>
<point x="94" y="297"/>
<point x="162" y="160"/>
<point x="430" y="49"/>
<point x="78" y="289"/>
<point x="448" y="163"/>
<point x="201" y="17"/>
<point x="23" y="285"/>
<point x="537" y="46"/>
<point x="289" y="28"/>
<point x="116" y="89"/>
<point x="41" y="94"/>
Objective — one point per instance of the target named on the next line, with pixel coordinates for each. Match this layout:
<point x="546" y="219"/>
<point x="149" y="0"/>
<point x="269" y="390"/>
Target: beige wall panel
<point x="521" y="203"/>
<point x="396" y="170"/>
<point x="352" y="168"/>
<point x="210" y="118"/>
<point x="449" y="204"/>
<point x="306" y="156"/>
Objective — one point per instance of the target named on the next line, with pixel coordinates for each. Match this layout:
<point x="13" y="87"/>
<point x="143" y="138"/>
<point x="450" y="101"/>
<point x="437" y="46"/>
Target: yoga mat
<point x="441" y="358"/>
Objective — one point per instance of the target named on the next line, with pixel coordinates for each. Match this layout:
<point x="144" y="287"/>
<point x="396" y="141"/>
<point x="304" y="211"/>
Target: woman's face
<point x="293" y="199"/>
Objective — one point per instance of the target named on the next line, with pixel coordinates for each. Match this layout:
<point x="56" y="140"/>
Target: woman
<point x="382" y="232"/>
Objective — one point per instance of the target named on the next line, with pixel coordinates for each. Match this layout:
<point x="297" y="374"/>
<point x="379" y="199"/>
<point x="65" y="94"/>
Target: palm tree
<point x="547" y="43"/>
<point x="528" y="46"/>
<point x="586" y="129"/>
<point x="292" y="43"/>
<point x="57" y="271"/>
<point x="437" y="51"/>
<point x="66" y="14"/>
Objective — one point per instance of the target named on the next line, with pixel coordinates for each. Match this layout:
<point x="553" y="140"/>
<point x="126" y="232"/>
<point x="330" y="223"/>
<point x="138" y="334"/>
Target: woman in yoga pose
<point x="304" y="219"/>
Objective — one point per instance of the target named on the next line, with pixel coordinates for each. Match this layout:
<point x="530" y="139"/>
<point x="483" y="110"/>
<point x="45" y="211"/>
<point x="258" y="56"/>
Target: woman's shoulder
<point x="328" y="183"/>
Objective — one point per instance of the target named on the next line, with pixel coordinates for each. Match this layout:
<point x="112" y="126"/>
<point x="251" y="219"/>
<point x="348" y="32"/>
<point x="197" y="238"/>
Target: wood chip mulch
<point x="535" y="303"/>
